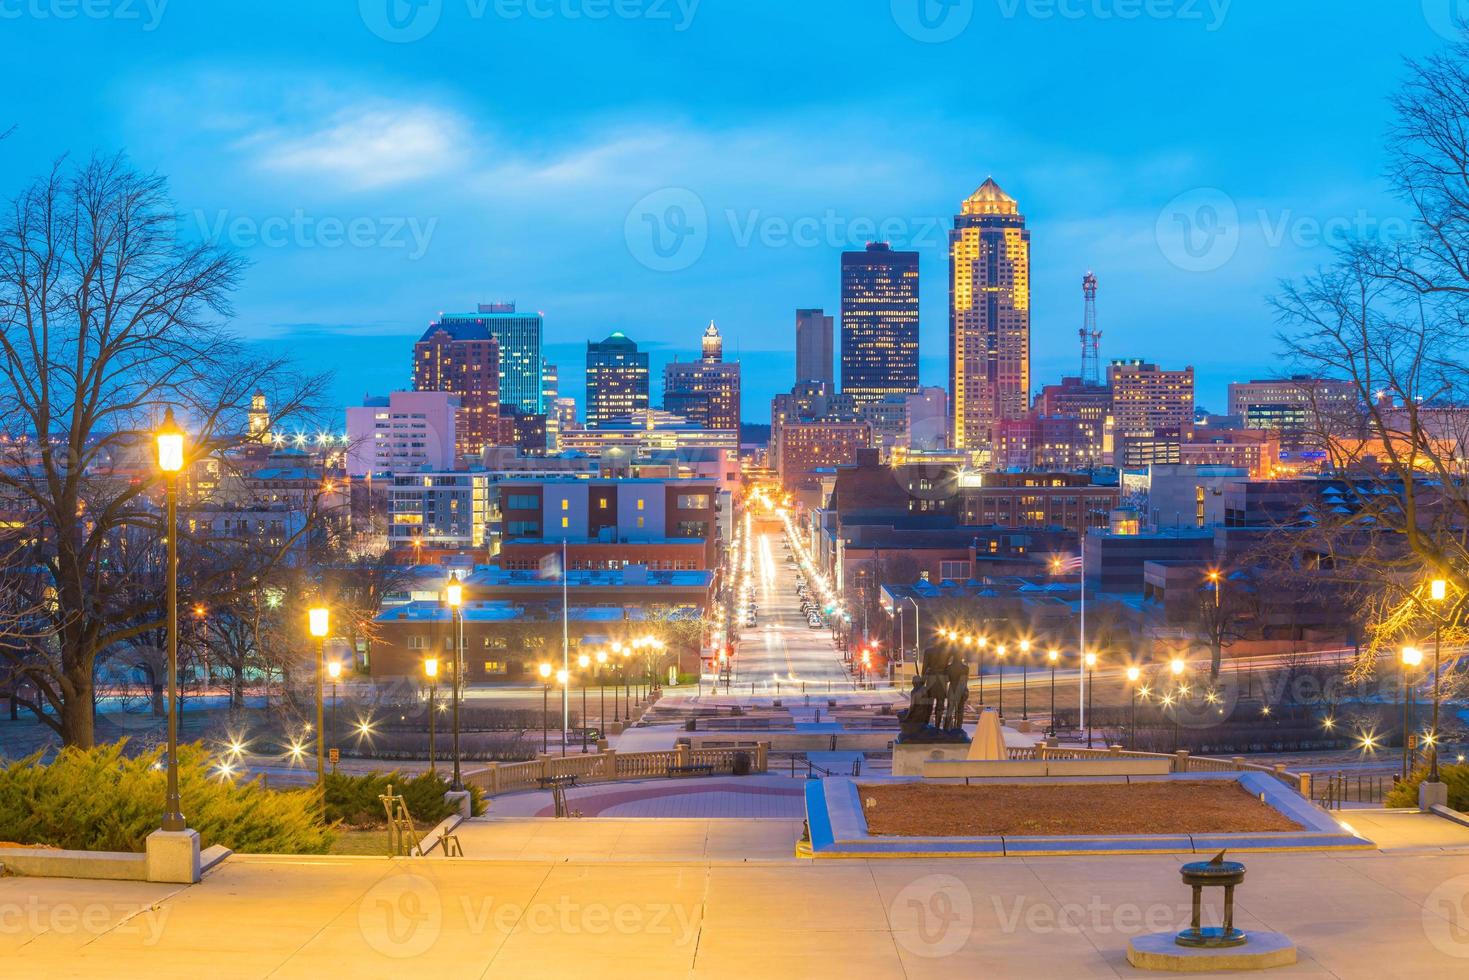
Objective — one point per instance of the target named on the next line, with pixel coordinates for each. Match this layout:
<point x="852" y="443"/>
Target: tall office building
<point x="519" y="338"/>
<point x="879" y="323"/>
<point x="706" y="391"/>
<point x="814" y="347"/>
<point x="617" y="379"/>
<point x="1148" y="399"/>
<point x="989" y="317"/>
<point x="1301" y="408"/>
<point x="463" y="358"/>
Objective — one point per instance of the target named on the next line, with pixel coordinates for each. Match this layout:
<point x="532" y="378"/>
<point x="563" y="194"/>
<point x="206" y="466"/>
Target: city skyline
<point x="468" y="194"/>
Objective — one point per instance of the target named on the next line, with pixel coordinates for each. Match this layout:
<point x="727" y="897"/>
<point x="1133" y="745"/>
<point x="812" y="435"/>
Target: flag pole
<point x="565" y="654"/>
<point x="1081" y="650"/>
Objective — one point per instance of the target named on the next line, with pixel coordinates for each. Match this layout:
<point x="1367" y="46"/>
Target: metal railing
<point x="611" y="766"/>
<point x="1338" y="789"/>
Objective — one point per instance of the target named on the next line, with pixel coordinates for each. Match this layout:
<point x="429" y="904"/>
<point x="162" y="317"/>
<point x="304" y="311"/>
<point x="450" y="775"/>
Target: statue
<point x="935" y="711"/>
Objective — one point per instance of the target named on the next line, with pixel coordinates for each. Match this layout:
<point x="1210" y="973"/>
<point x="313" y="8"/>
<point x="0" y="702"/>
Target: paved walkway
<point x="743" y="797"/>
<point x="631" y="840"/>
<point x="1369" y="915"/>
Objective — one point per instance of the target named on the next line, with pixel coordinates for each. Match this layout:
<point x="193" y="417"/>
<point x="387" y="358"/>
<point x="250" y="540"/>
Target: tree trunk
<point x="77" y="724"/>
<point x="237" y="689"/>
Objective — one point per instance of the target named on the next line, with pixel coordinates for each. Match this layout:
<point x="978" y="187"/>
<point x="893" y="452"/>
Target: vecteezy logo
<point x="1446" y="17"/>
<point x="1446" y="917"/>
<point x="401" y="21"/>
<point x="933" y="917"/>
<point x="401" y="916"/>
<point x="667" y="230"/>
<point x="1198" y="231"/>
<point x="933" y="21"/>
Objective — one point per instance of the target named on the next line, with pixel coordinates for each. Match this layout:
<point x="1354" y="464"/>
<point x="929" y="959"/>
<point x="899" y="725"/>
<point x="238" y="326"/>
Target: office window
<point x="566" y="522"/>
<point x="640" y="503"/>
<point x="565" y="503"/>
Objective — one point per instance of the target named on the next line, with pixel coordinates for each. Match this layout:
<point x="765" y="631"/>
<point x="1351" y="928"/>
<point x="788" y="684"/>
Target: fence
<point x="610" y="766"/>
<point x="1182" y="761"/>
<point x="1341" y="788"/>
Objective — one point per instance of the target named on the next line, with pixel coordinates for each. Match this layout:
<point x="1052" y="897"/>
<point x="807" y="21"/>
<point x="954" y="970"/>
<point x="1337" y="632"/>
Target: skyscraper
<point x="519" y="338"/>
<point x="814" y="347"/>
<point x="617" y="379"/>
<point x="879" y="322"/>
<point x="706" y="391"/>
<point x="462" y="358"/>
<point x="989" y="317"/>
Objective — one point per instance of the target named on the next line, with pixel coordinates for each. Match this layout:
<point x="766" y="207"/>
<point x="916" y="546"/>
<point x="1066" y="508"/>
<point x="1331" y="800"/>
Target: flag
<point x="1066" y="566"/>
<point x="550" y="566"/>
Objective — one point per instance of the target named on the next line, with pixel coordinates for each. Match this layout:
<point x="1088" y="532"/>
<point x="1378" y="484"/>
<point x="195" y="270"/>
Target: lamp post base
<point x="1431" y="795"/>
<point x="173" y="856"/>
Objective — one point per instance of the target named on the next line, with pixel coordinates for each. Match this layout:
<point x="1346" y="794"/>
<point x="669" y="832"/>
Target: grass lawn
<point x="372" y="842"/>
<point x="1172" y="807"/>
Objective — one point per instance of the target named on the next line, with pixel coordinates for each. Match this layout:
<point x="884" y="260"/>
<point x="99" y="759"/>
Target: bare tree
<point x="106" y="319"/>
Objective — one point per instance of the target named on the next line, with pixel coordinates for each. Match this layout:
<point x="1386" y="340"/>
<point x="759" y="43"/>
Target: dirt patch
<point x="1172" y="807"/>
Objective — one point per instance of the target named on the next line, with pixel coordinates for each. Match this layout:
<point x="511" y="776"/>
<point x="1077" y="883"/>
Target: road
<point x="782" y="648"/>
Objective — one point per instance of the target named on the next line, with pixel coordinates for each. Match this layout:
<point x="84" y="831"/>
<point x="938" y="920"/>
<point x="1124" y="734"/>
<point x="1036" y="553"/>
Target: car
<point x="815" y="624"/>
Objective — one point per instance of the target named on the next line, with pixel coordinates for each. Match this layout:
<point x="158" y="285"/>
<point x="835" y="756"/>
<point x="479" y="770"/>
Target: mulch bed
<point x="1172" y="807"/>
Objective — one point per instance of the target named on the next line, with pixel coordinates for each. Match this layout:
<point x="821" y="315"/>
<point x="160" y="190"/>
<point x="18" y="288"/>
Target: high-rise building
<point x="405" y="432"/>
<point x="814" y="350"/>
<point x="879" y="323"/>
<point x="706" y="391"/>
<point x="463" y="358"/>
<point x="617" y="379"/>
<point x="989" y="317"/>
<point x="519" y="338"/>
<point x="1146" y="398"/>
<point x="1302" y="409"/>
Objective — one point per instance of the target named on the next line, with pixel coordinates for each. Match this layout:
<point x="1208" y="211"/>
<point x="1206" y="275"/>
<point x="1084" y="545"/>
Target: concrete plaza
<point x="717" y="898"/>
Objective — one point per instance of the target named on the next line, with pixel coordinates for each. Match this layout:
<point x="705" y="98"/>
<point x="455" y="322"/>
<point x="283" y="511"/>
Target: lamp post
<point x="1091" y="663"/>
<point x="1000" y="663"/>
<point x="1177" y="667"/>
<point x="431" y="670"/>
<point x="1438" y="590"/>
<point x="602" y="688"/>
<point x="545" y="672"/>
<point x="626" y="679"/>
<point x="1132" y="675"/>
<point x="1025" y="679"/>
<point x="563" y="678"/>
<point x="334" y="671"/>
<point x="1412" y="657"/>
<point x="454" y="597"/>
<point x="170" y="439"/>
<point x="319" y="620"/>
<point x="1053" y="656"/>
<point x="584" y="662"/>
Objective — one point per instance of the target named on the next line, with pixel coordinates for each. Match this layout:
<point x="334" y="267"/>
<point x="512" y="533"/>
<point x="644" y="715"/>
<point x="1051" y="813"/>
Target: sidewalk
<point x="1371" y="915"/>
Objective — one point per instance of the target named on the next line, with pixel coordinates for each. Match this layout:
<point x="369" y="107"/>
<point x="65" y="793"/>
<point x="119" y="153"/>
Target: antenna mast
<point x="1091" y="337"/>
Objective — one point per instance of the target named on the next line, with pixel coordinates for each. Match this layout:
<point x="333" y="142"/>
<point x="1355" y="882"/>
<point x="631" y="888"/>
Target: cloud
<point x="366" y="146"/>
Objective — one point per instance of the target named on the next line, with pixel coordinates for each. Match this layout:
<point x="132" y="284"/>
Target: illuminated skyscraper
<point x="617" y="380"/>
<point x="706" y="391"/>
<point x="989" y="317"/>
<point x="879" y="323"/>
<point x="518" y="336"/>
<point x="462" y="358"/>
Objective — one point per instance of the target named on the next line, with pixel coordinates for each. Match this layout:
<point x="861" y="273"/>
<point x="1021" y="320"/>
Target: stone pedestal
<point x="1431" y="795"/>
<point x="909" y="757"/>
<point x="1261" y="951"/>
<point x="173" y="856"/>
<point x="461" y="802"/>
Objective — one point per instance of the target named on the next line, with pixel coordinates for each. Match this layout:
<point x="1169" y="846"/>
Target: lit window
<point x="566" y="522"/>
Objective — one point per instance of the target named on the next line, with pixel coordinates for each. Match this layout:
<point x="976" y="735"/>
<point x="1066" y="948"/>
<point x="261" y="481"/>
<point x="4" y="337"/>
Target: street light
<point x="584" y="662"/>
<point x="545" y="672"/>
<point x="1091" y="663"/>
<point x="431" y="670"/>
<point x="1024" y="679"/>
<point x="1412" y="657"/>
<point x="602" y="688"/>
<point x="563" y="678"/>
<point x="171" y="462"/>
<point x="1438" y="590"/>
<point x="1132" y="675"/>
<point x="334" y="671"/>
<point x="454" y="597"/>
<point x="319" y="623"/>
<point x="1053" y="656"/>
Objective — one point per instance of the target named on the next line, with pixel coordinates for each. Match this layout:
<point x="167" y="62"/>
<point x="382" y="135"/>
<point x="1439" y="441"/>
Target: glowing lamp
<point x="545" y="671"/>
<point x="454" y="594"/>
<point x="334" y="670"/>
<point x="1438" y="589"/>
<point x="1412" y="656"/>
<point x="320" y="620"/>
<point x="431" y="667"/>
<point x="170" y="445"/>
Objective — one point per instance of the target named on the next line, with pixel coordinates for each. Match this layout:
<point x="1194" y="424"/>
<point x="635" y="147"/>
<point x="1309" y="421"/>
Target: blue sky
<point x="383" y="160"/>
